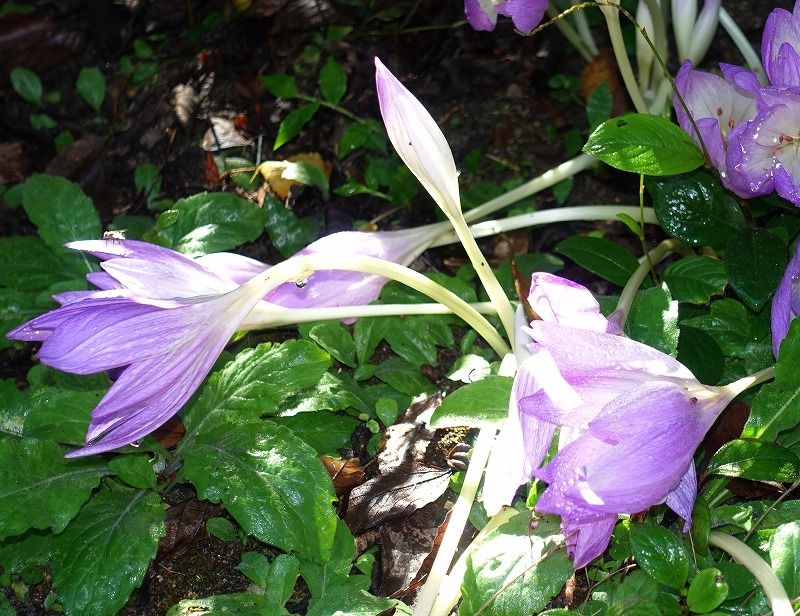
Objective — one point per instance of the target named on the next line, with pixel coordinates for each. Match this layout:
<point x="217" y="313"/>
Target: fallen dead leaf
<point x="12" y="162"/>
<point x="603" y="69"/>
<point x="346" y="474"/>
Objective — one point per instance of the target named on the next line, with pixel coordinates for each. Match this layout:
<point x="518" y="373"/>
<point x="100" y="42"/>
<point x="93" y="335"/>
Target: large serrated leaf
<point x="695" y="279"/>
<point x="696" y="208"/>
<point x="645" y="144"/>
<point x="28" y="264"/>
<point x="41" y="489"/>
<point x="104" y="553"/>
<point x="512" y="571"/>
<point x="253" y="383"/>
<point x="270" y="481"/>
<point x="755" y="260"/>
<point x="600" y="256"/>
<point x="212" y="222"/>
<point x="62" y="213"/>
<point x="61" y="415"/>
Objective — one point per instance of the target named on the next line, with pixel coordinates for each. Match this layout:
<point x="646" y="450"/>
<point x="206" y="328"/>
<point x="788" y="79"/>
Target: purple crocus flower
<point x="780" y="46"/>
<point x="786" y="302"/>
<point x="717" y="105"/>
<point x="762" y="154"/>
<point x="525" y="14"/>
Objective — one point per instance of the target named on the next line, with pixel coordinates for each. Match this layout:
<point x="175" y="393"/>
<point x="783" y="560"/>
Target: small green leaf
<point x="696" y="209"/>
<point x="280" y="85"/>
<point x="282" y="578"/>
<point x="147" y="180"/>
<point x="27" y="84"/>
<point x="599" y="105"/>
<point x="135" y="470"/>
<point x="42" y="121"/>
<point x="403" y="376"/>
<point x="646" y="144"/>
<point x="221" y="528"/>
<point x="479" y="404"/>
<point x="91" y="85"/>
<point x="235" y="604"/>
<point x="660" y="553"/>
<point x="256" y="566"/>
<point x="334" y="338"/>
<point x="416" y="337"/>
<point x="756" y="460"/>
<point x="287" y="232"/>
<point x="293" y="123"/>
<point x="707" y="591"/>
<point x="332" y="81"/>
<point x="325" y="432"/>
<point x="755" y="261"/>
<point x="104" y="553"/>
<point x="367" y="134"/>
<point x="600" y="256"/>
<point x="695" y="279"/>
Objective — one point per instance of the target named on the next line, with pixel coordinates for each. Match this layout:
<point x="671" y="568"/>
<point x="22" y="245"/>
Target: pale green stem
<point x="745" y="48"/>
<point x="490" y="283"/>
<point x="582" y="25"/>
<point x="615" y="32"/>
<point x="300" y="267"/>
<point x="569" y="33"/>
<point x="460" y="512"/>
<point x="749" y="558"/>
<point x="450" y="590"/>
<point x="628" y="294"/>
<point x="546" y="217"/>
<point x="660" y="98"/>
<point x="745" y="383"/>
<point x="546" y="180"/>
<point x="266" y="315"/>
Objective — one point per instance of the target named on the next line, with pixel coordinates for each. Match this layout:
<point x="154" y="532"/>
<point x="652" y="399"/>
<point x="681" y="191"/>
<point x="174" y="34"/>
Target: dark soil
<point x="488" y="90"/>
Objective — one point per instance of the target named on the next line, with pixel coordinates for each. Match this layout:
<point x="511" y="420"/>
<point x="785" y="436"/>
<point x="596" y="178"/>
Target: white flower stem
<point x="749" y="558"/>
<point x="611" y="13"/>
<point x="572" y="36"/>
<point x="460" y="513"/>
<point x="545" y="217"/>
<point x="582" y="25"/>
<point x="300" y="267"/>
<point x="628" y="294"/>
<point x="546" y="180"/>
<point x="752" y="380"/>
<point x="740" y="40"/>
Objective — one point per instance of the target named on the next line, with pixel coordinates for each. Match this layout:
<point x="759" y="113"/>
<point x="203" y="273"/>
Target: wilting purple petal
<point x="481" y="14"/>
<point x="418" y="140"/>
<point x="558" y="300"/>
<point x="586" y="540"/>
<point x="786" y="302"/>
<point x="526" y="14"/>
<point x="681" y="498"/>
<point x="780" y="43"/>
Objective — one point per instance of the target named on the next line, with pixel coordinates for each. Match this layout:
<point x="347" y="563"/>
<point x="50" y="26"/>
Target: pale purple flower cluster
<point x="751" y="132"/>
<point x="526" y="14"/>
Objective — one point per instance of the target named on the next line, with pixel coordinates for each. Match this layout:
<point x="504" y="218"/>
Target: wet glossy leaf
<point x="695" y="208"/>
<point x="221" y="528"/>
<point x="600" y="256"/>
<point x="136" y="471"/>
<point x="27" y="84"/>
<point x="756" y="460"/>
<point x="735" y="329"/>
<point x="784" y="556"/>
<point x="653" y="320"/>
<point x="334" y="338"/>
<point x="41" y="489"/>
<point x="403" y="376"/>
<point x="646" y="144"/>
<point x="269" y="480"/>
<point x="61" y="415"/>
<point x="332" y="81"/>
<point x="707" y="591"/>
<point x="287" y="232"/>
<point x="696" y="279"/>
<point x="293" y="123"/>
<point x="415" y="338"/>
<point x="755" y="261"/>
<point x="326" y="432"/>
<point x="91" y="85"/>
<point x="368" y="134"/>
<point x="660" y="553"/>
<point x="461" y="408"/>
<point x="104" y="553"/>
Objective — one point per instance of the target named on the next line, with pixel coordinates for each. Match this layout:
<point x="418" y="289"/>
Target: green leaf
<point x="13" y="405"/>
<point x="513" y="571"/>
<point x="236" y="604"/>
<point x="27" y="264"/>
<point x="147" y="180"/>
<point x="287" y="232"/>
<point x="293" y="123"/>
<point x="403" y="376"/>
<point x="135" y="470"/>
<point x="784" y="556"/>
<point x="17" y="307"/>
<point x="27" y="84"/>
<point x="755" y="261"/>
<point x="660" y="553"/>
<point x="653" y="320"/>
<point x="213" y="222"/>
<point x="707" y="591"/>
<point x="255" y="566"/>
<point x="599" y="105"/>
<point x="41" y="489"/>
<point x="61" y="415"/>
<point x="350" y="597"/>
<point x="367" y="335"/>
<point x="253" y="384"/>
<point x="479" y="404"/>
<point x="308" y="174"/>
<point x="104" y="553"/>
<point x="91" y="85"/>
<point x="701" y="354"/>
<point x="280" y="85"/>
<point x="756" y="460"/>
<point x="776" y="406"/>
<point x="282" y="578"/>
<point x="644" y="143"/>
<point x="62" y="213"/>
<point x="696" y="209"/>
<point x="415" y="338"/>
<point x="696" y="279"/>
<point x="735" y="329"/>
<point x="367" y="133"/>
<point x="600" y="256"/>
<point x="270" y="481"/>
<point x="221" y="528"/>
<point x="325" y="432"/>
<point x="334" y="338"/>
<point x="332" y="81"/>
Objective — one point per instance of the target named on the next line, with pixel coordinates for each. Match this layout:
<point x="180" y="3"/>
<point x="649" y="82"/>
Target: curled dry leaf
<point x="222" y="135"/>
<point x="346" y="474"/>
<point x="280" y="174"/>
